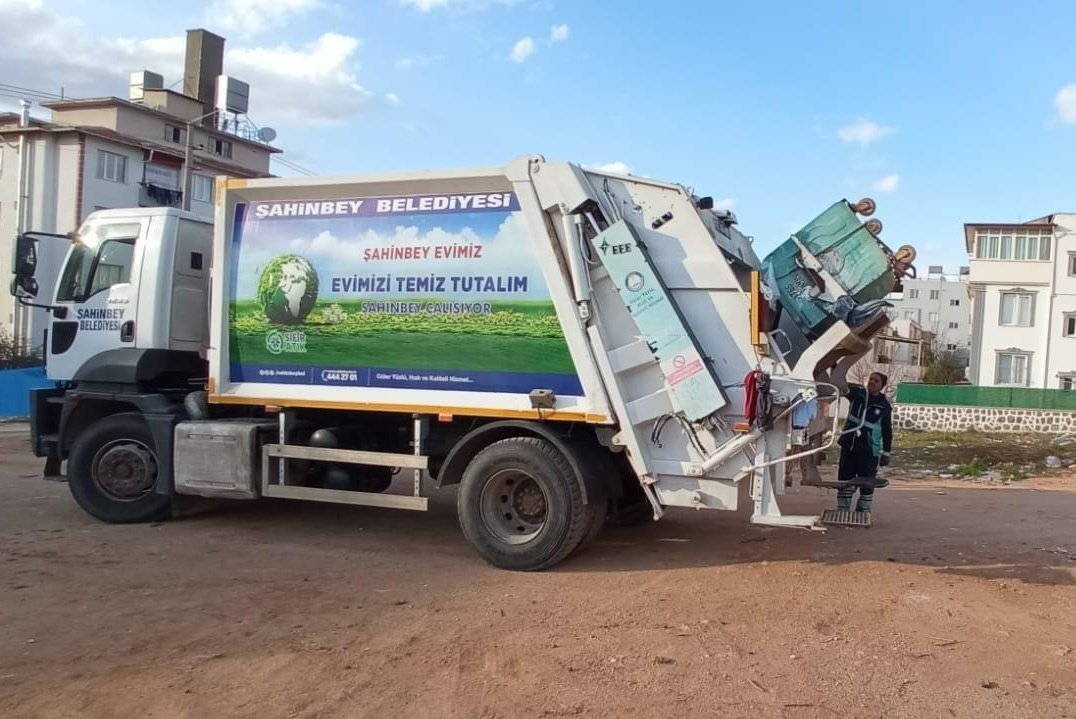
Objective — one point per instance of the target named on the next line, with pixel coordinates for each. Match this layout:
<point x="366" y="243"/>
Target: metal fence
<point x="973" y="396"/>
<point x="15" y="386"/>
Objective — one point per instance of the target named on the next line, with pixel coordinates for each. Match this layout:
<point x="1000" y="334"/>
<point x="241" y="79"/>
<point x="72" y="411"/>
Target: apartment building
<point x="1023" y="288"/>
<point x="939" y="304"/>
<point x="110" y="152"/>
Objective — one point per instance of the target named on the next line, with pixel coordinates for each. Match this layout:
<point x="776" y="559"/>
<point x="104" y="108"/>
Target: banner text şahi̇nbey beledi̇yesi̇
<point x="373" y="207"/>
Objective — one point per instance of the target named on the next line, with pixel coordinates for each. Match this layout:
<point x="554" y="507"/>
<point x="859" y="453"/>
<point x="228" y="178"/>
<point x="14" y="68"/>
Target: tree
<point x="896" y="373"/>
<point x="943" y="367"/>
<point x="13" y="356"/>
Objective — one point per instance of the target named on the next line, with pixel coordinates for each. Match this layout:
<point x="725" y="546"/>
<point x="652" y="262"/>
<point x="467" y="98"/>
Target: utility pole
<point x="20" y="331"/>
<point x="188" y="160"/>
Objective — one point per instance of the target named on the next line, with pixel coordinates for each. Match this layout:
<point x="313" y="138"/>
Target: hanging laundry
<point x="750" y="402"/>
<point x="804" y="413"/>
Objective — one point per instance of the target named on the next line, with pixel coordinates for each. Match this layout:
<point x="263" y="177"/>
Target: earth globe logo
<point x="634" y="281"/>
<point x="288" y="289"/>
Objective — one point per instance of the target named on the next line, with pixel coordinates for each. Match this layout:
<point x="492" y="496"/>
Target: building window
<point x="1069" y="325"/>
<point x="202" y="188"/>
<point x="932" y="318"/>
<point x="935" y="294"/>
<point x="1012" y="368"/>
<point x="1068" y="382"/>
<point x="173" y="133"/>
<point x="954" y="303"/>
<point x="954" y="325"/>
<point x="111" y="166"/>
<point x="220" y="147"/>
<point x="1072" y="264"/>
<point x="1025" y="245"/>
<point x="911" y="315"/>
<point x="1016" y="309"/>
<point x="951" y="347"/>
<point x="913" y="294"/>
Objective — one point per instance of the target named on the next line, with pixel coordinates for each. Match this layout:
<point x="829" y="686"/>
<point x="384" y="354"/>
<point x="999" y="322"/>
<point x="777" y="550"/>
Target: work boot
<point x="864" y="503"/>
<point x="844" y="501"/>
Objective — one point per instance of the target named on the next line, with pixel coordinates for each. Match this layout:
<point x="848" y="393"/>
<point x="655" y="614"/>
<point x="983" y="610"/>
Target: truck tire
<point x="595" y="522"/>
<point x="520" y="505"/>
<point x="112" y="470"/>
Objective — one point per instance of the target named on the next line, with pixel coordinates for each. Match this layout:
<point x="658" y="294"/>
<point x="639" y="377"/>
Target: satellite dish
<point x="267" y="134"/>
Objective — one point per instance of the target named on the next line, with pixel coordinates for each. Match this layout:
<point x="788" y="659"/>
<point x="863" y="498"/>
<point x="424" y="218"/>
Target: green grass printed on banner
<point x="515" y="336"/>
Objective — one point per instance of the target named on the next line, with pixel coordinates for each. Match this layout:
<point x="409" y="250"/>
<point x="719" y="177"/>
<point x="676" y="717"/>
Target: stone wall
<point x="947" y="418"/>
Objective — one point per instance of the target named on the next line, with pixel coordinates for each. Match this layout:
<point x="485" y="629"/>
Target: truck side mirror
<point x="25" y="264"/>
<point x="22" y="286"/>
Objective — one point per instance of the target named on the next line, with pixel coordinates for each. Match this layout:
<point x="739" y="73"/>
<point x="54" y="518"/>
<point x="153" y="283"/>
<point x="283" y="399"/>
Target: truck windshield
<point x="100" y="260"/>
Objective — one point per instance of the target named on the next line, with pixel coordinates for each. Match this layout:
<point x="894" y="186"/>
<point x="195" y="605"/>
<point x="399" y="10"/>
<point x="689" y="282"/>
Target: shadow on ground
<point x="992" y="533"/>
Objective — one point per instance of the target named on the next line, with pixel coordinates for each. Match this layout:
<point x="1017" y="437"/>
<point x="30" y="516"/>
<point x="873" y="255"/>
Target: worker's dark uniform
<point x="861" y="450"/>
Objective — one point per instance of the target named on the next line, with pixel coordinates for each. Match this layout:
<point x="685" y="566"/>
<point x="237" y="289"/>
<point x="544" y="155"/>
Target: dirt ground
<point x="959" y="601"/>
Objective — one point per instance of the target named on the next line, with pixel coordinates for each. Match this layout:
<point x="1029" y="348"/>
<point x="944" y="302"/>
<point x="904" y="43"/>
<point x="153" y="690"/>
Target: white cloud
<point x="456" y="5"/>
<point x="863" y="132"/>
<point x="247" y="18"/>
<point x="889" y="183"/>
<point x="314" y="84"/>
<point x="617" y="167"/>
<point x="522" y="49"/>
<point x="392" y="98"/>
<point x="1066" y="103"/>
<point x="558" y="33"/>
<point x="726" y="204"/>
<point x="414" y="62"/>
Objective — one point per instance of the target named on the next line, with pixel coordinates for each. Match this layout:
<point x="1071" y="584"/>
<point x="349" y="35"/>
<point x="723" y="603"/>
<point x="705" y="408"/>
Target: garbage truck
<point x="568" y="346"/>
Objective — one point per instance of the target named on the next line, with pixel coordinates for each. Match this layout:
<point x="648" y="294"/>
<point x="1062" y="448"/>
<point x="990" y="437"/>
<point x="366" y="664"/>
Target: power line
<point x="30" y="91"/>
<point x="294" y="166"/>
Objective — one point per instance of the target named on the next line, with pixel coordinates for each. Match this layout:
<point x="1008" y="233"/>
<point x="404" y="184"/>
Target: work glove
<point x="884" y="461"/>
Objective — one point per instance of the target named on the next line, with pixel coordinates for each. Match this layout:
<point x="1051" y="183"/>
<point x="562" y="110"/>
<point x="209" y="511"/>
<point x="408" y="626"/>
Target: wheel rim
<point x="125" y="470"/>
<point x="514" y="506"/>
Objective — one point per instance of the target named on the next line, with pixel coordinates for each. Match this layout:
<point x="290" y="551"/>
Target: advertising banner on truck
<point x="439" y="292"/>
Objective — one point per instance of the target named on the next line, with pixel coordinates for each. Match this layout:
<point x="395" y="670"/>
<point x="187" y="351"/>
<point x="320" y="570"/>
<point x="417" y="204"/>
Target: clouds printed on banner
<point x="334" y="253"/>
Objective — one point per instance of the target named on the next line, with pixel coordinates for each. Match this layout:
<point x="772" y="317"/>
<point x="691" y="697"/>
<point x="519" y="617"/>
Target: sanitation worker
<point x="869" y="446"/>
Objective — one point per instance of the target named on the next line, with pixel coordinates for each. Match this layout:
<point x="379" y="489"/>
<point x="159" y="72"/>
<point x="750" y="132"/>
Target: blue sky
<point x="951" y="113"/>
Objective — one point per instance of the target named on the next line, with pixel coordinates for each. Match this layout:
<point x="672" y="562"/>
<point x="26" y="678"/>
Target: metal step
<point x="854" y="483"/>
<point x="846" y="518"/>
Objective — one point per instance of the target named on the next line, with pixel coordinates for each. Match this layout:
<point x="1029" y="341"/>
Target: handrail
<point x="834" y="434"/>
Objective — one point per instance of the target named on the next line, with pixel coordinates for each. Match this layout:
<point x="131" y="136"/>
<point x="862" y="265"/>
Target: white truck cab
<point x="133" y="278"/>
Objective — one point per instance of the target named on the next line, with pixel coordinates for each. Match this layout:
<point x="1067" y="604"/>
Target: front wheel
<point x="520" y="505"/>
<point x="112" y="470"/>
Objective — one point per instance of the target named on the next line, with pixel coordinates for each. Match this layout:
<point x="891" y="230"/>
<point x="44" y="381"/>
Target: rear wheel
<point x="520" y="505"/>
<point x="112" y="470"/>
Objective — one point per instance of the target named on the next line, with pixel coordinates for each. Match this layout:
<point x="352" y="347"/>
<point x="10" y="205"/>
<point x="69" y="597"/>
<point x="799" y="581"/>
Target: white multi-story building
<point x="1023" y="289"/>
<point x="939" y="304"/>
<point x="106" y="153"/>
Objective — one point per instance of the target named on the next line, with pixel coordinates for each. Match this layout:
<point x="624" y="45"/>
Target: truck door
<point x="96" y="292"/>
